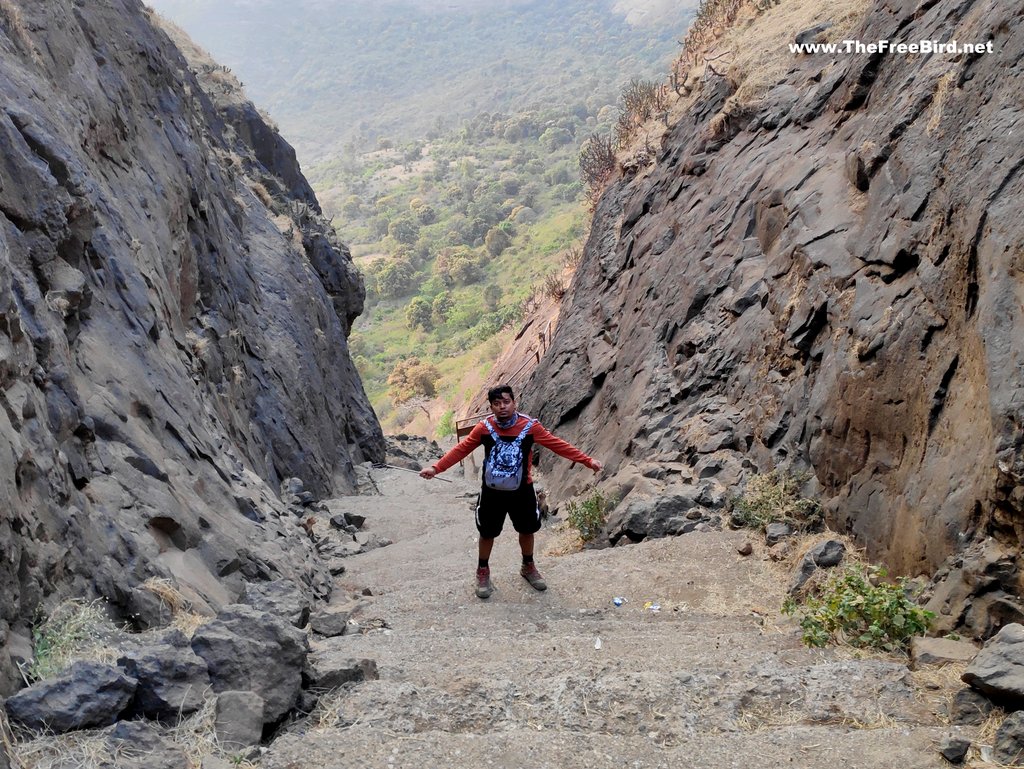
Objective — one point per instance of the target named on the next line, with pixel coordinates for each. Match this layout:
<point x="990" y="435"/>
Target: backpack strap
<point x="525" y="430"/>
<point x="487" y="423"/>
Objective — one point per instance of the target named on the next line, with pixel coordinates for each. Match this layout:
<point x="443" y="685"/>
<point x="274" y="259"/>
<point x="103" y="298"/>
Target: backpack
<point x="503" y="468"/>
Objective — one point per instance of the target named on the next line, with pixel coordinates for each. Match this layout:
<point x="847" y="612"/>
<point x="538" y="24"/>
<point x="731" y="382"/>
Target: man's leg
<point x="486" y="545"/>
<point x="489" y="520"/>
<point x="527" y="521"/>
<point x="484" y="588"/>
<point x="525" y="544"/>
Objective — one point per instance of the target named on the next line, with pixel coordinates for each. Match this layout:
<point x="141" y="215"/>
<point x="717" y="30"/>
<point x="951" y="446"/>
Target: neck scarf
<point x="504" y="425"/>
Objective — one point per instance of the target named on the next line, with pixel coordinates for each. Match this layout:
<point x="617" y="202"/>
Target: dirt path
<point x="715" y="679"/>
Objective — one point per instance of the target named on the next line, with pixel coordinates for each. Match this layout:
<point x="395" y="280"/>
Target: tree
<point x="417" y="314"/>
<point x="404" y="230"/>
<point x="554" y="137"/>
<point x="426" y="214"/>
<point x="492" y="296"/>
<point x="496" y="240"/>
<point x="441" y="308"/>
<point x="395" y="279"/>
<point x="352" y="206"/>
<point x="411" y="378"/>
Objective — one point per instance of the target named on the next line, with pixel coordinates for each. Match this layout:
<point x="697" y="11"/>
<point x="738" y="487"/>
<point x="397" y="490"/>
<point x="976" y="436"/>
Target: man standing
<point x="507" y="487"/>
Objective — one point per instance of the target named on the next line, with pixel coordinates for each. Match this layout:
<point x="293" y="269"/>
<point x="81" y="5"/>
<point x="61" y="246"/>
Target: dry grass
<point x="17" y="30"/>
<point x="197" y="738"/>
<point x="802" y="545"/>
<point x="765" y="716"/>
<point x="91" y="749"/>
<point x="760" y="596"/>
<point x="942" y="90"/>
<point x="7" y="739"/>
<point x="327" y="713"/>
<point x="82" y="750"/>
<point x="878" y="720"/>
<point x="291" y="231"/>
<point x="260" y="191"/>
<point x="980" y="754"/>
<point x="166" y="592"/>
<point x="760" y="42"/>
<point x="938" y="684"/>
<point x="74" y="631"/>
<point x="565" y="540"/>
<point x="198" y="344"/>
<point x="182" y="616"/>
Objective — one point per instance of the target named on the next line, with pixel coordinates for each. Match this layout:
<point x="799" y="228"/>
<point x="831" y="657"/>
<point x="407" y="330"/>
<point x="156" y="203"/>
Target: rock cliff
<point x="174" y="315"/>
<point x="830" y="279"/>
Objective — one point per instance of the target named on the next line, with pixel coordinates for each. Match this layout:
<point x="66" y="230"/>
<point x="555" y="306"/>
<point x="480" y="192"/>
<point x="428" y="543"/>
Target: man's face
<point x="503" y="406"/>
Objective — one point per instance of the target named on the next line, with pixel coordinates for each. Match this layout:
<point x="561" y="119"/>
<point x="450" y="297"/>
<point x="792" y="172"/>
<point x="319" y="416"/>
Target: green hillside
<point x="353" y="70"/>
<point x="456" y="237"/>
<point x="444" y="141"/>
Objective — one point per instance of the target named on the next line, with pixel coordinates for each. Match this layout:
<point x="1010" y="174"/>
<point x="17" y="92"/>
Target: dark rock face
<point x="143" y="746"/>
<point x="174" y="316"/>
<point x="239" y="719"/>
<point x="998" y="669"/>
<point x="282" y="598"/>
<point x="249" y="650"/>
<point x="171" y="681"/>
<point x="858" y="316"/>
<point x="88" y="694"/>
<point x="1009" y="742"/>
<point x="824" y="555"/>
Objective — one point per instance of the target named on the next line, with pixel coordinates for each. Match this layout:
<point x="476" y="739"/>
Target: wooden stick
<point x="382" y="465"/>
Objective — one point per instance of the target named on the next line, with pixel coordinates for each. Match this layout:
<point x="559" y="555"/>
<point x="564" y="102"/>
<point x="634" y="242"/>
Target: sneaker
<point x="484" y="588"/>
<point x="532" y="575"/>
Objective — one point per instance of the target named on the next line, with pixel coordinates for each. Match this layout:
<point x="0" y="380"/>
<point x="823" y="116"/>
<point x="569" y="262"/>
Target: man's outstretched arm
<point x="542" y="437"/>
<point x="457" y="453"/>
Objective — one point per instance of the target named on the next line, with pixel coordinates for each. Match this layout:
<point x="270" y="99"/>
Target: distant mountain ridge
<point x="333" y="73"/>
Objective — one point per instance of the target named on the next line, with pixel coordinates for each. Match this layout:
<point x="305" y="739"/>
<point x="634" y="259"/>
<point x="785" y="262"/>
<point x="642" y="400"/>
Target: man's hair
<point x="496" y="392"/>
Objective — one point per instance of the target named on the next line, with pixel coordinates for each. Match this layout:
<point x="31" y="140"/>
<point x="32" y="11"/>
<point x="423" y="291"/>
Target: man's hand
<point x="428" y="473"/>
<point x="596" y="466"/>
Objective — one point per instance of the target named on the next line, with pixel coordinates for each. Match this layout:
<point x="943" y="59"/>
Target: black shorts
<point x="520" y="505"/>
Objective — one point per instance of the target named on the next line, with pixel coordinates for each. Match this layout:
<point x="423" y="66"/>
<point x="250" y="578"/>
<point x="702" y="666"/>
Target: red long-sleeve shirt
<point x="538" y="432"/>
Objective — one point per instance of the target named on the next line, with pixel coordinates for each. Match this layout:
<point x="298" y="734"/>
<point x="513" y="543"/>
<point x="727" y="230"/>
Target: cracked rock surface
<point x="831" y="280"/>
<point x="174" y="315"/>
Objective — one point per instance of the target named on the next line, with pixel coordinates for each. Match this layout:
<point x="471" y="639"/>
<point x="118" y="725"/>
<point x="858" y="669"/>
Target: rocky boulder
<point x="969" y="707"/>
<point x="172" y="681"/>
<point x="329" y="672"/>
<point x="249" y="650"/>
<point x="824" y="555"/>
<point x="940" y="651"/>
<point x="239" y="719"/>
<point x="282" y="598"/>
<point x="1008" y="749"/>
<point x="998" y="669"/>
<point x="87" y="694"/>
<point x="139" y="745"/>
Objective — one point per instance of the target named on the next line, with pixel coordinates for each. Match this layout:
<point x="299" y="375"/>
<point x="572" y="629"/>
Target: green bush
<point x="74" y="631"/>
<point x="446" y="425"/>
<point x="589" y="515"/>
<point x="857" y="606"/>
<point x="775" y="496"/>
